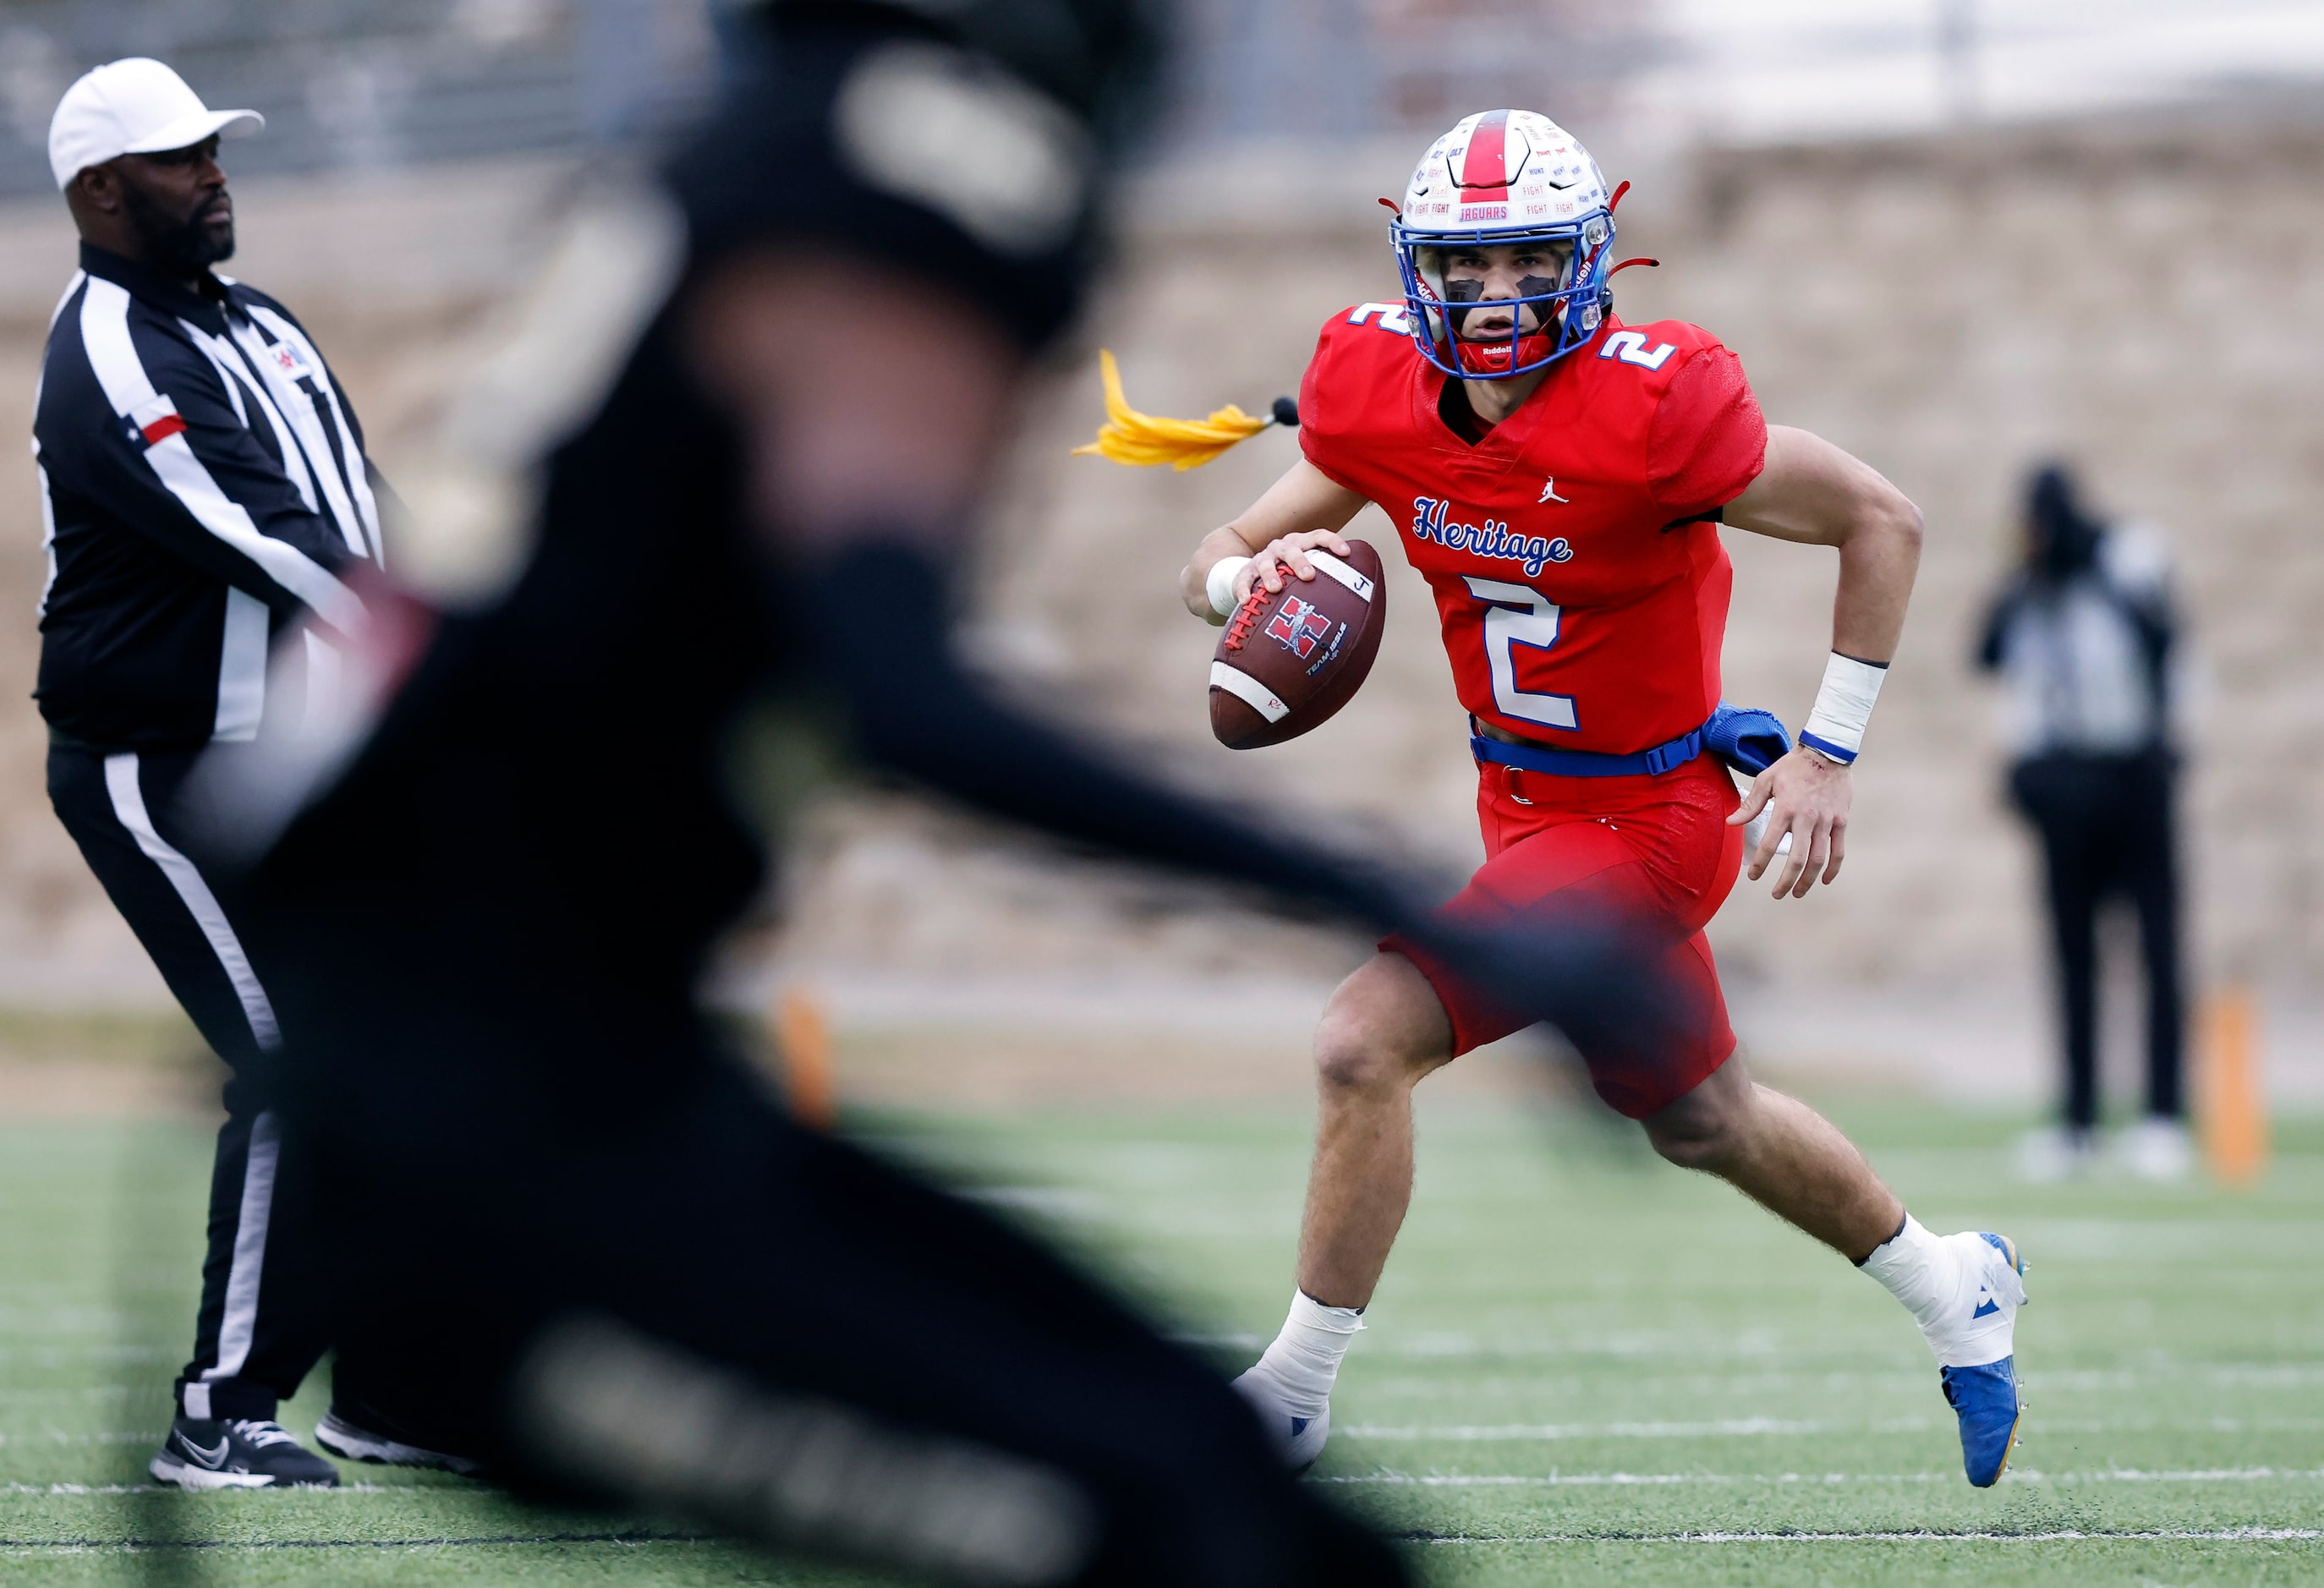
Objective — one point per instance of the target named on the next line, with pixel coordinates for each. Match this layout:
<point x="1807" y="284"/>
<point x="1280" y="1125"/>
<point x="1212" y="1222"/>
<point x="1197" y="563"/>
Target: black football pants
<point x="2106" y="830"/>
<point x="261" y="1327"/>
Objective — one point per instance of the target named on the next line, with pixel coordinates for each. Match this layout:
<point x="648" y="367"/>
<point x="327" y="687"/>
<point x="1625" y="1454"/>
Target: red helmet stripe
<point x="1487" y="163"/>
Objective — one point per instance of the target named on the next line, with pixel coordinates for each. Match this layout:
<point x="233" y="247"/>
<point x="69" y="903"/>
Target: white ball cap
<point x="133" y="106"/>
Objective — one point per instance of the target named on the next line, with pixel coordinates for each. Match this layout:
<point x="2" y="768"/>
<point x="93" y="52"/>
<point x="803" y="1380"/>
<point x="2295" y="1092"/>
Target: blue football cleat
<point x="1985" y="1398"/>
<point x="1979" y="1362"/>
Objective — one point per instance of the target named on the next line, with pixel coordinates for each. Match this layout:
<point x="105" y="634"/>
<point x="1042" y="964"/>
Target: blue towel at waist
<point x="1746" y="738"/>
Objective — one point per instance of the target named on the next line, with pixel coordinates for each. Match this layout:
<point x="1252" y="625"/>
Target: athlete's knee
<point x="1692" y="1140"/>
<point x="1707" y="1128"/>
<point x="1382" y="1030"/>
<point x="1358" y="1052"/>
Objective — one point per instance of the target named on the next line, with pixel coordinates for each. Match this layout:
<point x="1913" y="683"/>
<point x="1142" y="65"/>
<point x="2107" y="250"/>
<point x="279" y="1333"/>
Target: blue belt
<point x="1747" y="739"/>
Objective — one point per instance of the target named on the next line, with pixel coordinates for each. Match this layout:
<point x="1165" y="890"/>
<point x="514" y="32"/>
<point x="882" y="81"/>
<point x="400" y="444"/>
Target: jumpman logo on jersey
<point x="1549" y="492"/>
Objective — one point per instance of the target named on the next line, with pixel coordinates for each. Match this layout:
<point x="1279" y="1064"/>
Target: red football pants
<point x="1656" y="852"/>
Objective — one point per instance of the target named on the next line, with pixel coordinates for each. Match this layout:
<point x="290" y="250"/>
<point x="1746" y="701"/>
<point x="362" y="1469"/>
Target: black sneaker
<point x="351" y="1442"/>
<point x="238" y="1453"/>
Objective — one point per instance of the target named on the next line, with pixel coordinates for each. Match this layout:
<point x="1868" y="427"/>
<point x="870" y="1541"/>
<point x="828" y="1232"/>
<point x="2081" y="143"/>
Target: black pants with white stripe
<point x="261" y="1328"/>
<point x="2107" y="830"/>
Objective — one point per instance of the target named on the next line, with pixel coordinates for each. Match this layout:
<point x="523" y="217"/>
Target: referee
<point x="2085" y="635"/>
<point x="204" y="489"/>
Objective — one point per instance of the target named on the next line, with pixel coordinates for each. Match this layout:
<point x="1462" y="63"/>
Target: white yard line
<point x="1538" y="1433"/>
<point x="1822" y="1480"/>
<point x="2094" y="1381"/>
<point x="172" y="1489"/>
<point x="104" y="1437"/>
<point x="2157" y="1535"/>
<point x="1760" y="1427"/>
<point x="1761" y="1353"/>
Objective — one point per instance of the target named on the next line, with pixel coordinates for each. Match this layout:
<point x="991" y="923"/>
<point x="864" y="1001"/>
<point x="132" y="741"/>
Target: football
<point x="1289" y="661"/>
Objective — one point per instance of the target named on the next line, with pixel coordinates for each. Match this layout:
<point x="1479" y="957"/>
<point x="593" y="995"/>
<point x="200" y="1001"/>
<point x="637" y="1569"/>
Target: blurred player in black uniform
<point x="578" y="1241"/>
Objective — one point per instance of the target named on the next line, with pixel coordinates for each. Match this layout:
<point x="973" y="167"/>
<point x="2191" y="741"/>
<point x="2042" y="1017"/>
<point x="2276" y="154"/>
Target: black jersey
<point x="203" y="487"/>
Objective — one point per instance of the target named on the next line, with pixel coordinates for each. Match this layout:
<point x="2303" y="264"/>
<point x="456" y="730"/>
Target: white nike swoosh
<point x="212" y="1459"/>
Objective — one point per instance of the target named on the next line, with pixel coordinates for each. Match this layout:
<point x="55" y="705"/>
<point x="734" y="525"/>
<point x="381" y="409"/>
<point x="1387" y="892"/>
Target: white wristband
<point x="1843" y="705"/>
<point x="1220" y="585"/>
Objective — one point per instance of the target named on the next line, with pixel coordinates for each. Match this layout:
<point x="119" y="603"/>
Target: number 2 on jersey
<point x="1535" y="628"/>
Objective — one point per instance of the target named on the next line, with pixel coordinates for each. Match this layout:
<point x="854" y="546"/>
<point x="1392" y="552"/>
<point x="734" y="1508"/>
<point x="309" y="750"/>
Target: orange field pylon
<point x="803" y="1043"/>
<point x="2234" y="1098"/>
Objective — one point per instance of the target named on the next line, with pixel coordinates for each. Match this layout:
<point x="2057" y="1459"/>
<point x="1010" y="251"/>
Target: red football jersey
<point x="1579" y="608"/>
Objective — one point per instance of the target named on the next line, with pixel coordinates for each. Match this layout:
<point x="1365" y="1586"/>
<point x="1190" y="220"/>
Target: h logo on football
<point x="1299" y="628"/>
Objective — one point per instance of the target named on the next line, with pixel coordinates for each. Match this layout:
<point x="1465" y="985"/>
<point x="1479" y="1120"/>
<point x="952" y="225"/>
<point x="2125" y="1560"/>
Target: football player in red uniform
<point x="1558" y="477"/>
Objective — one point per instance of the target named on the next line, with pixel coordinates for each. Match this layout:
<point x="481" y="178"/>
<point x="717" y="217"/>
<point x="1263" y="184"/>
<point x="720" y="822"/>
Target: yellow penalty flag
<point x="1143" y="439"/>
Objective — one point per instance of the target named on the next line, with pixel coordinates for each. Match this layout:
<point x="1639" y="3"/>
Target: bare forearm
<point x="1878" y="562"/>
<point x="1812" y="494"/>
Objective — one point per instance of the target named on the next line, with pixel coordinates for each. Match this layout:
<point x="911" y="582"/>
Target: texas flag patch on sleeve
<point x="149" y="424"/>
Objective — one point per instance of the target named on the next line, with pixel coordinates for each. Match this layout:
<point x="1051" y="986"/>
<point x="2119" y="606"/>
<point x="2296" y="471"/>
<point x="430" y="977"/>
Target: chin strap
<point x="1141" y="441"/>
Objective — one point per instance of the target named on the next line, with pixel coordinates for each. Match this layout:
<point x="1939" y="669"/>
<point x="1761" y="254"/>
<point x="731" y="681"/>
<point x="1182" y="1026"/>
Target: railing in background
<point x="366" y="83"/>
<point x="356" y="83"/>
<point x="1314" y="71"/>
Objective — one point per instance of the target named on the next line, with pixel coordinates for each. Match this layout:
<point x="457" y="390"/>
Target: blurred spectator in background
<point x="2082" y="633"/>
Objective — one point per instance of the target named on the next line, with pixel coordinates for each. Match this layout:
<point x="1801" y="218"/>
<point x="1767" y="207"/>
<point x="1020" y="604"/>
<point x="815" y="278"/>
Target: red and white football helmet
<point x="1500" y="177"/>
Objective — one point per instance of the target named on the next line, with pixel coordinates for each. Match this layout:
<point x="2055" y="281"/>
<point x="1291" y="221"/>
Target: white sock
<point x="1961" y="1290"/>
<point x="1917" y="1270"/>
<point x="1305" y="1359"/>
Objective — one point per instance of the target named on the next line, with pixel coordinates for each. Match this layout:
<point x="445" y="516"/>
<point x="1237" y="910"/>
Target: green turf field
<point x="1583" y="1366"/>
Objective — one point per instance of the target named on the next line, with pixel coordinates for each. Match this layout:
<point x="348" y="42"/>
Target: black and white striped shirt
<point x="2090" y="659"/>
<point x="203" y="486"/>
